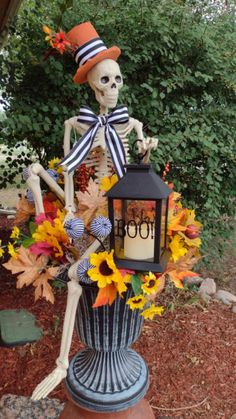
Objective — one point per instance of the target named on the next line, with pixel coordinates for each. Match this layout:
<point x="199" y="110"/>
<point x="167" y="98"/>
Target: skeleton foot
<point x="49" y="383"/>
<point x="60" y="372"/>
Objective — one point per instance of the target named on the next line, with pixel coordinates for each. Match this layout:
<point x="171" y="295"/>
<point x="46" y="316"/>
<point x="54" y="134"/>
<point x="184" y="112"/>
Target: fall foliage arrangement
<point x="40" y="245"/>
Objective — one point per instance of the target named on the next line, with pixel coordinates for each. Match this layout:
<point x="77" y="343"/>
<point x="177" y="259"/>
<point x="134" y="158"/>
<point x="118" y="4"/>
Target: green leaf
<point x="136" y="283"/>
<point x="32" y="227"/>
<point x="27" y="242"/>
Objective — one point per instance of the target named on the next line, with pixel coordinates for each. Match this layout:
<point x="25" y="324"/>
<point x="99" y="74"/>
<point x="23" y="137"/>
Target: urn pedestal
<point x="107" y="376"/>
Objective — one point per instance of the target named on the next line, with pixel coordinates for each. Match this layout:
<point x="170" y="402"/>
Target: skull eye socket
<point x="118" y="79"/>
<point x="104" y="79"/>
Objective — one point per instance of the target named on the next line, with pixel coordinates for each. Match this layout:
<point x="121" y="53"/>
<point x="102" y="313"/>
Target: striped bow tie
<point x="81" y="149"/>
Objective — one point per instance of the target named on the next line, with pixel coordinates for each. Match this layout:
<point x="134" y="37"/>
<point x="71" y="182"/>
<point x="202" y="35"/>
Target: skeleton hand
<point x="146" y="145"/>
<point x="49" y="383"/>
<point x="149" y="143"/>
<point x="69" y="214"/>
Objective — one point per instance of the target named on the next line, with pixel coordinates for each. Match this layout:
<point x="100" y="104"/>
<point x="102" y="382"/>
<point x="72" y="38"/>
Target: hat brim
<point x="81" y="75"/>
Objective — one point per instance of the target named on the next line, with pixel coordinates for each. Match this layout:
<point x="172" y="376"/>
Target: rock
<point x="234" y="311"/>
<point x="226" y="297"/>
<point x="207" y="287"/>
<point x="192" y="280"/>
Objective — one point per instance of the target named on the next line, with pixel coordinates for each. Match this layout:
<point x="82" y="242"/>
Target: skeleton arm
<point x="62" y="362"/>
<point x="68" y="178"/>
<point x="148" y="144"/>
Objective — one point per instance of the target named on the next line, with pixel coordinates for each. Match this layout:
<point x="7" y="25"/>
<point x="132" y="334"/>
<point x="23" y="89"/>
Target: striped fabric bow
<point x="81" y="149"/>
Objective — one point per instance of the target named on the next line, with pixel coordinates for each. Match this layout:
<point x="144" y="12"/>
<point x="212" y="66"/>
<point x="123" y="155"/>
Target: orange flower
<point x="60" y="42"/>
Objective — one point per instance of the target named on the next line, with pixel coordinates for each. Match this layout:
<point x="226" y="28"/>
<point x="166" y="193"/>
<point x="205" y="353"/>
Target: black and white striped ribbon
<point x="89" y="50"/>
<point x="81" y="149"/>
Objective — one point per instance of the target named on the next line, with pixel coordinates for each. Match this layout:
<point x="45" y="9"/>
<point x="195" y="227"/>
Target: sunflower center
<point x="138" y="301"/>
<point x="151" y="283"/>
<point x="104" y="269"/>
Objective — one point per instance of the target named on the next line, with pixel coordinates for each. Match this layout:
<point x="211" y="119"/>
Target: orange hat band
<point x="89" y="50"/>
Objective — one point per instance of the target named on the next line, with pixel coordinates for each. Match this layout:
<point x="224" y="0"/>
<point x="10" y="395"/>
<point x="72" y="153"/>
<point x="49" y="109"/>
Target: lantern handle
<point x="139" y="156"/>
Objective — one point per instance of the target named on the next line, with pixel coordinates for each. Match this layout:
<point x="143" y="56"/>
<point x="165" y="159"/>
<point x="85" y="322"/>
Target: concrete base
<point x="141" y="410"/>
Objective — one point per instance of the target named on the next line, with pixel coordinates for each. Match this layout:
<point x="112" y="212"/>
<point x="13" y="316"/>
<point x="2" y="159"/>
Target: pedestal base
<point x="141" y="410"/>
<point x="107" y="381"/>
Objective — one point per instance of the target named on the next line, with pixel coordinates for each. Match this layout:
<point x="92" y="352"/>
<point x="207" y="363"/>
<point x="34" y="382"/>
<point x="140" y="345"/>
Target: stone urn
<point x="107" y="376"/>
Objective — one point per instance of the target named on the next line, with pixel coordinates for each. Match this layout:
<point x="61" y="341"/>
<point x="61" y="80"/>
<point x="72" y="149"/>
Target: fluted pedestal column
<point x="107" y="376"/>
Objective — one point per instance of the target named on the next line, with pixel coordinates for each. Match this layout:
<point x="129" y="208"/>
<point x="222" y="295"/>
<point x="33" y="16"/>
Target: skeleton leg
<point x="36" y="171"/>
<point x="74" y="293"/>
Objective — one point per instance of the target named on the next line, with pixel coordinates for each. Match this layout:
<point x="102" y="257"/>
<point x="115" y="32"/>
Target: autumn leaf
<point x="92" y="202"/>
<point x="32" y="270"/>
<point x="43" y="288"/>
<point x="92" y="198"/>
<point x="181" y="269"/>
<point x="24" y="210"/>
<point x="174" y="221"/>
<point x="177" y="277"/>
<point x="186" y="262"/>
<point x="105" y="295"/>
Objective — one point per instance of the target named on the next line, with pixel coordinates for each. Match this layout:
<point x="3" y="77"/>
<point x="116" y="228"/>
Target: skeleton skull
<point x="105" y="79"/>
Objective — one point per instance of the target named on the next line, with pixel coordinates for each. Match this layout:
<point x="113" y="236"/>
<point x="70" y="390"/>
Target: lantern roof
<point x="140" y="182"/>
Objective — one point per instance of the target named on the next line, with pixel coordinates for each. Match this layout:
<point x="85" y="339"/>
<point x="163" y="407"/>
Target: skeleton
<point x="106" y="80"/>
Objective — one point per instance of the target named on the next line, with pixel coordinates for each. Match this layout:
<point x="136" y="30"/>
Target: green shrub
<point x="178" y="61"/>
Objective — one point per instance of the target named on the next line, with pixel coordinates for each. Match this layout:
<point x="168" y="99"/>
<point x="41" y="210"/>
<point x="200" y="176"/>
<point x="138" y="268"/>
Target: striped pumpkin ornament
<point x="74" y="228"/>
<point x="100" y="226"/>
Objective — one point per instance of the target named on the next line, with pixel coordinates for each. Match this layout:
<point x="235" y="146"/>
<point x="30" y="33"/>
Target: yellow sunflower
<point x="151" y="284"/>
<point x="105" y="271"/>
<point x="137" y="302"/>
<point x="53" y="164"/>
<point x="150" y="312"/>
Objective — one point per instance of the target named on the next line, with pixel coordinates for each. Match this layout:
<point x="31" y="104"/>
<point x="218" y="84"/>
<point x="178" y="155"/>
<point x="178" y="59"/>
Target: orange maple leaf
<point x="105" y="295"/>
<point x="33" y="271"/>
<point x="24" y="210"/>
<point x="174" y="221"/>
<point x="177" y="277"/>
<point x="182" y="268"/>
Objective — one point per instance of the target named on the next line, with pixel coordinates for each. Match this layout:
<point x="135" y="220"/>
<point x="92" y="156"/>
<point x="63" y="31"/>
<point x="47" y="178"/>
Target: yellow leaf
<point x="177" y="247"/>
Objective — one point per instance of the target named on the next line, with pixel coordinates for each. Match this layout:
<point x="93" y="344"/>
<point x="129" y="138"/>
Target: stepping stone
<point x="20" y="407"/>
<point x="17" y="327"/>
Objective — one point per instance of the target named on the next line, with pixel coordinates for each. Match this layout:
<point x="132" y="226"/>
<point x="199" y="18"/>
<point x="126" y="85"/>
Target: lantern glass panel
<point x="134" y="229"/>
<point x="164" y="212"/>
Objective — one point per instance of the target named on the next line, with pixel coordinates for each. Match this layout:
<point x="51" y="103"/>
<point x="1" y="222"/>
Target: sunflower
<point x="150" y="312"/>
<point x="151" y="284"/>
<point x="105" y="271"/>
<point x="53" y="164"/>
<point x="137" y="302"/>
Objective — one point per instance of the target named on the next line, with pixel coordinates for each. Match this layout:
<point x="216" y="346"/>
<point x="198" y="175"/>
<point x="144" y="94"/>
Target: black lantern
<point x="138" y="211"/>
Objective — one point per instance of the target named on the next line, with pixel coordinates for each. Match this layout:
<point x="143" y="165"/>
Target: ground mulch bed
<point x="190" y="351"/>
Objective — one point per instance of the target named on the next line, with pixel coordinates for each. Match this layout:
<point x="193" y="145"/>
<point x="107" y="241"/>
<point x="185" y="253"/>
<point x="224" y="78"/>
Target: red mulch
<point x="191" y="354"/>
